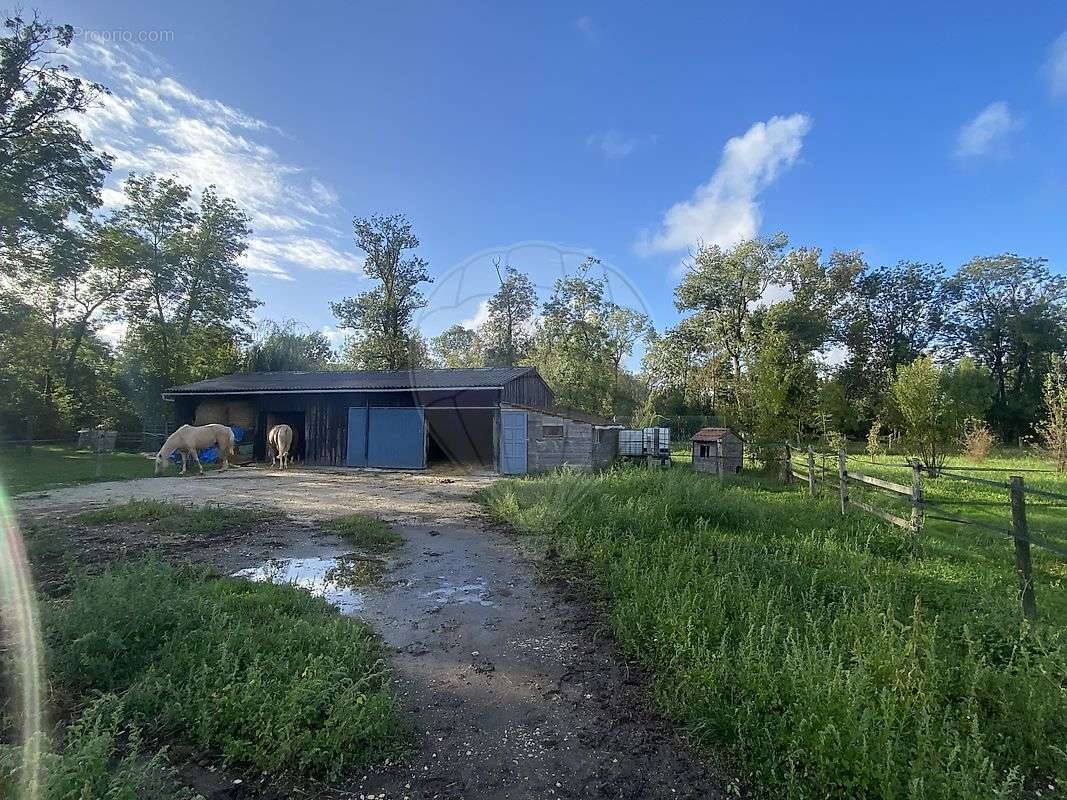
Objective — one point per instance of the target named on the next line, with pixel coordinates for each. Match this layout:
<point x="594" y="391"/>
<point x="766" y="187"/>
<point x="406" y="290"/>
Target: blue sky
<point x="547" y="131"/>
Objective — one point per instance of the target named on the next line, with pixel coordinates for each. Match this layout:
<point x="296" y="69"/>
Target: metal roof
<point x="354" y="380"/>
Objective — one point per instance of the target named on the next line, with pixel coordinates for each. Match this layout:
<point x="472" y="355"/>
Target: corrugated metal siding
<point x="529" y="390"/>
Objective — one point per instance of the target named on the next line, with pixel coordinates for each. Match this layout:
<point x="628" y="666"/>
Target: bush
<point x="798" y="639"/>
<point x="266" y="675"/>
<point x="101" y="757"/>
<point x="978" y="440"/>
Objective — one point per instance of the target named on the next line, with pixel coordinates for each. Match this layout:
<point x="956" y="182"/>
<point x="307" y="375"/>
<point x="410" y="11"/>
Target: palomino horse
<point x="280" y="440"/>
<point x="189" y="439"/>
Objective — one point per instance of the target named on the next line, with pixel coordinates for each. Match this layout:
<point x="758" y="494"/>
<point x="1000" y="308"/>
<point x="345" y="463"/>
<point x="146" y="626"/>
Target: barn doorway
<point x="460" y="436"/>
<point x="295" y="420"/>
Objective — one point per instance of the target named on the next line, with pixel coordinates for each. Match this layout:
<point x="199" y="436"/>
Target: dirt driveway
<point x="513" y="685"/>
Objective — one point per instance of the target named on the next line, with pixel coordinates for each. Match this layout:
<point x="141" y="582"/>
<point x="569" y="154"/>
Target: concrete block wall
<point x="574" y="448"/>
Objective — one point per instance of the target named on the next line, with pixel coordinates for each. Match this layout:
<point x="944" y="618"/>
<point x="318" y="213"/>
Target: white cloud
<point x="480" y="317"/>
<point x="613" y="144"/>
<point x="726" y="209"/>
<point x="153" y="123"/>
<point x="335" y="336"/>
<point x="987" y="132"/>
<point x="1056" y="66"/>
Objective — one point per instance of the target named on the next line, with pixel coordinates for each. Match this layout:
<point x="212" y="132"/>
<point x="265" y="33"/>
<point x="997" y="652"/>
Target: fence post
<point x="811" y="470"/>
<point x="99" y="451"/>
<point x="788" y="464"/>
<point x="916" y="525"/>
<point x="1022" y="547"/>
<point x="842" y="477"/>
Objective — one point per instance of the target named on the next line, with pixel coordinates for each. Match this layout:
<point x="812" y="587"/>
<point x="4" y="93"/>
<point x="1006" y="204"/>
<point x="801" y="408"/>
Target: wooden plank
<point x="900" y="522"/>
<point x="887" y="485"/>
<point x="801" y="477"/>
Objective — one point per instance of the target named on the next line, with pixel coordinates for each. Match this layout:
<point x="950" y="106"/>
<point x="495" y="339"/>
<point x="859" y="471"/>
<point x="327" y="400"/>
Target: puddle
<point x="337" y="580"/>
<point x="474" y="592"/>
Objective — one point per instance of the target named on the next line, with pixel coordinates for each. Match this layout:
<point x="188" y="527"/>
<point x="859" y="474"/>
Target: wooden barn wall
<point x="529" y="390"/>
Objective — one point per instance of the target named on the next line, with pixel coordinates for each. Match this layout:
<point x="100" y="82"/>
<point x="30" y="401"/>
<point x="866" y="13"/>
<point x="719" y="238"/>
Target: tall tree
<point x="505" y="333"/>
<point x="625" y="328"/>
<point x="724" y="285"/>
<point x="1010" y="314"/>
<point x="381" y="319"/>
<point x="572" y="347"/>
<point x="49" y="173"/>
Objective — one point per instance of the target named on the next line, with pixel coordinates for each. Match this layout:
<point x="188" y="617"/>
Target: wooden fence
<point x="919" y="509"/>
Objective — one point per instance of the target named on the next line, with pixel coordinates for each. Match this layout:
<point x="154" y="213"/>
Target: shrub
<point x="978" y="440"/>
<point x="101" y="757"/>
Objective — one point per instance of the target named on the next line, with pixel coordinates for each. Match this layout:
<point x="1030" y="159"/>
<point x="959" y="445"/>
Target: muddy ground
<point x="504" y="666"/>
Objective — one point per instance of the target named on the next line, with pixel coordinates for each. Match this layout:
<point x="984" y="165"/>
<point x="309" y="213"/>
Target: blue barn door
<point x="513" y="442"/>
<point x="396" y="438"/>
<point x="357" y="437"/>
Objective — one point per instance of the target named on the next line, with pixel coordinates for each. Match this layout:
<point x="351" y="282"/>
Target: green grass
<point x="51" y="466"/>
<point x="816" y="649"/>
<point x="265" y="676"/>
<point x="365" y="532"/>
<point x="174" y="518"/>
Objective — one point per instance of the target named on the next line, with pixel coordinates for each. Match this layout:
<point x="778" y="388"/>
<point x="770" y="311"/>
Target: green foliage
<point x="381" y="319"/>
<point x="284" y="347"/>
<point x="457" y="346"/>
<point x="582" y="339"/>
<point x="505" y="333"/>
<point x="929" y="419"/>
<point x="176" y="518"/>
<point x="365" y="532"/>
<point x="102" y="757"/>
<point x="1009" y="314"/>
<point x="1053" y="428"/>
<point x="829" y="662"/>
<point x="266" y="675"/>
<point x="781" y="389"/>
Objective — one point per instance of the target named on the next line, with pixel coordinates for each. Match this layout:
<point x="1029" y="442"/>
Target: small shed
<point x="718" y="450"/>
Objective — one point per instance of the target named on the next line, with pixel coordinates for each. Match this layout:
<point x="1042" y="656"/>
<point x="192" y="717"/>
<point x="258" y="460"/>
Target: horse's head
<point x="161" y="463"/>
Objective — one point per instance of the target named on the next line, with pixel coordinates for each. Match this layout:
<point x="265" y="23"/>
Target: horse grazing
<point x="280" y="439"/>
<point x="189" y="439"/>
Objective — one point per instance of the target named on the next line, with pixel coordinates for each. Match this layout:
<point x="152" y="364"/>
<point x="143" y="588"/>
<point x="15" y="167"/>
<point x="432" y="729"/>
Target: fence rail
<point x="921" y="507"/>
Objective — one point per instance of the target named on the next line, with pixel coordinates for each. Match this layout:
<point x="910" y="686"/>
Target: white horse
<point x="280" y="439"/>
<point x="189" y="439"/>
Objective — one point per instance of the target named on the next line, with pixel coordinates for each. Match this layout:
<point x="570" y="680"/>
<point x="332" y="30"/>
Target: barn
<point x="718" y="450"/>
<point x="494" y="418"/>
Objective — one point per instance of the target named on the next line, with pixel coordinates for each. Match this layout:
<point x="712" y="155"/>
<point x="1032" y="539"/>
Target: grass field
<point x="49" y="466"/>
<point x="262" y="676"/>
<point x="818" y="650"/>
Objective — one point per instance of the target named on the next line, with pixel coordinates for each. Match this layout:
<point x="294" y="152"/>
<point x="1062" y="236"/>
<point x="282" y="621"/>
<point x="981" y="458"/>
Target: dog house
<point x="718" y="450"/>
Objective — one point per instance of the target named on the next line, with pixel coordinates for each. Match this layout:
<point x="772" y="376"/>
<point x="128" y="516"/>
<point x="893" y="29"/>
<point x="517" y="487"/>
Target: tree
<point x="1009" y="314"/>
<point x="457" y="346"/>
<point x="49" y="174"/>
<point x="505" y="333"/>
<point x="932" y="414"/>
<point x="190" y="307"/>
<point x="724" y="285"/>
<point x="1053" y="428"/>
<point x="572" y="348"/>
<point x="381" y="319"/>
<point x="779" y="390"/>
<point x="624" y="328"/>
<point x="284" y="347"/>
